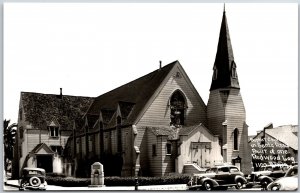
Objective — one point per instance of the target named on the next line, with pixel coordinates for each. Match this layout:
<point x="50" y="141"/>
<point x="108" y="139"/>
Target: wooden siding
<point x="97" y="144"/>
<point x="168" y="165"/>
<point x="155" y="161"/>
<point x="32" y="139"/>
<point x="215" y="113"/>
<point x="158" y="113"/>
<point x="127" y="146"/>
<point x="199" y="135"/>
<point x="233" y="111"/>
<point x="114" y="141"/>
<point x="141" y="143"/>
<point x="83" y="149"/>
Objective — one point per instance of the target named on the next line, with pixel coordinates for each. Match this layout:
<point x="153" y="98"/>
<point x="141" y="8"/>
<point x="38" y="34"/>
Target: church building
<point x="158" y="124"/>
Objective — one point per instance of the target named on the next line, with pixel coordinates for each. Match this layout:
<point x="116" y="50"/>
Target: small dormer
<point x="53" y="128"/>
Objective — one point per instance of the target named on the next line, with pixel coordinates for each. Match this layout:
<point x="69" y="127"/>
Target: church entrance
<point x="45" y="162"/>
<point x="201" y="153"/>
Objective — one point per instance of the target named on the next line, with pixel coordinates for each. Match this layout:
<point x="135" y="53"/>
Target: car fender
<point x="214" y="182"/>
<point x="240" y="178"/>
<point x="260" y="178"/>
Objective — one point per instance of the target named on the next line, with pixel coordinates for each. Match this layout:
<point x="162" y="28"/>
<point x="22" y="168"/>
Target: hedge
<point x="118" y="181"/>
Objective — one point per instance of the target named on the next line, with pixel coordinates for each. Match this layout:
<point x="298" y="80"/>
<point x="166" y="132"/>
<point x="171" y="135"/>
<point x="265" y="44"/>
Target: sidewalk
<point x="14" y="183"/>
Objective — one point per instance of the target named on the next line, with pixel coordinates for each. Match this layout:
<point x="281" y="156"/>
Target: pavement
<point x="15" y="183"/>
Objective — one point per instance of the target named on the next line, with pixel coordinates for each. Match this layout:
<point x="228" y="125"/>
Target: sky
<point x="89" y="49"/>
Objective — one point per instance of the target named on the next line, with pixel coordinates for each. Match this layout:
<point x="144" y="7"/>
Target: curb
<point x="12" y="185"/>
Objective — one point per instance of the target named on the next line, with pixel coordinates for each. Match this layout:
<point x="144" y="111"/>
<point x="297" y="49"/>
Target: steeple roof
<point x="225" y="75"/>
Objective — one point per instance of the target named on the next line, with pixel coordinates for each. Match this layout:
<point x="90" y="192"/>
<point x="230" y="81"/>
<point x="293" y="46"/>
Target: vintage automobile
<point x="33" y="178"/>
<point x="219" y="177"/>
<point x="267" y="174"/>
<point x="288" y="182"/>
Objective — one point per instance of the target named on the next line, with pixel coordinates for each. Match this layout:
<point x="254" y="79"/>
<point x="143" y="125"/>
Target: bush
<point x="56" y="175"/>
<point x="119" y="181"/>
<point x="68" y="181"/>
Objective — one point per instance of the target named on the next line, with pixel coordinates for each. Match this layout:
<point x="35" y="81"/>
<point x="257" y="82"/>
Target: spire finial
<point x="224" y="8"/>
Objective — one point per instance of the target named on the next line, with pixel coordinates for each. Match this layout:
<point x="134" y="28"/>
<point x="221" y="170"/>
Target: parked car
<point x="267" y="174"/>
<point x="288" y="182"/>
<point x="219" y="177"/>
<point x="33" y="178"/>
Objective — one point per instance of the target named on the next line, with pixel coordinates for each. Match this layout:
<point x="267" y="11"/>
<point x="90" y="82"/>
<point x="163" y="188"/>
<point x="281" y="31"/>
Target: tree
<point x="9" y="135"/>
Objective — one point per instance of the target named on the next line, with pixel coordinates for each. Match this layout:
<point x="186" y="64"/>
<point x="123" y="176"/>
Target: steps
<point x="192" y="168"/>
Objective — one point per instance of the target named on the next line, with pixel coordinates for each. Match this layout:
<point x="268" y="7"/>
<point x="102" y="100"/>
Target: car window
<point x="292" y="172"/>
<point x="285" y="168"/>
<point x="268" y="168"/>
<point x="277" y="168"/>
<point x="223" y="169"/>
<point x="234" y="169"/>
<point x="262" y="169"/>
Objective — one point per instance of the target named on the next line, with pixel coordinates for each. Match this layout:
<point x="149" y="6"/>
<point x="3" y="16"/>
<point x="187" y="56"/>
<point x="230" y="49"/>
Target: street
<point x="129" y="188"/>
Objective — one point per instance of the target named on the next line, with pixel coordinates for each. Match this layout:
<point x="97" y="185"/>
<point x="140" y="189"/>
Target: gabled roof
<point x="40" y="109"/>
<point x="132" y="96"/>
<point x="285" y="134"/>
<point x="40" y="146"/>
<point x="224" y="61"/>
<point x="187" y="130"/>
<point x="173" y="132"/>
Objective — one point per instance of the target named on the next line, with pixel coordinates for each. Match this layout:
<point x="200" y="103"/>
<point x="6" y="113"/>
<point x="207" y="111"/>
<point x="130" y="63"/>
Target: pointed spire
<point x="224" y="75"/>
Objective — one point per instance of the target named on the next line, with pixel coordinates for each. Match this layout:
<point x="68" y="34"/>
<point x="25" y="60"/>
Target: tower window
<point x="177" y="106"/>
<point x="215" y="74"/>
<point x="235" y="139"/>
<point x="168" y="148"/>
<point x="233" y="70"/>
<point x="153" y="149"/>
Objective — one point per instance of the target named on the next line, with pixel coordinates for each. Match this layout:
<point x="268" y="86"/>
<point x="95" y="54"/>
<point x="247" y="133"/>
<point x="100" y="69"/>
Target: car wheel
<point x="275" y="188"/>
<point x="239" y="184"/>
<point x="264" y="183"/>
<point x="207" y="185"/>
<point x="35" y="181"/>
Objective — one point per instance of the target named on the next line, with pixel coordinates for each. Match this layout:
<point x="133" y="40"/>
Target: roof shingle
<point x="133" y="95"/>
<point x="40" y="109"/>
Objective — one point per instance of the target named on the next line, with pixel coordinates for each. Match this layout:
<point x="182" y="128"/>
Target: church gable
<point x="42" y="148"/>
<point x="160" y="109"/>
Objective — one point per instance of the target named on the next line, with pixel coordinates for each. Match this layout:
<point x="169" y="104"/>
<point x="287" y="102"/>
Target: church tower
<point x="225" y="109"/>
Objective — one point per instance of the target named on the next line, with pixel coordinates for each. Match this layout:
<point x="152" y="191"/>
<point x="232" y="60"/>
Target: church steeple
<point x="224" y="75"/>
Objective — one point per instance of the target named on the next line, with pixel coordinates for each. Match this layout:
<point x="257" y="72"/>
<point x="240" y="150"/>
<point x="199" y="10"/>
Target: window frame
<point x="55" y="133"/>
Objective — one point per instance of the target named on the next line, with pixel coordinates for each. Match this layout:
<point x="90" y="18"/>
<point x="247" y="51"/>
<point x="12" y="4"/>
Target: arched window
<point x="215" y="74"/>
<point x="177" y="106"/>
<point x="235" y="139"/>
<point x="119" y="134"/>
<point x="101" y="138"/>
<point x="233" y="71"/>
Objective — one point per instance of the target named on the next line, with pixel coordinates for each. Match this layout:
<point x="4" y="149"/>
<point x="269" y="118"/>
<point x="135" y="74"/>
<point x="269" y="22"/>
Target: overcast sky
<point x="89" y="49"/>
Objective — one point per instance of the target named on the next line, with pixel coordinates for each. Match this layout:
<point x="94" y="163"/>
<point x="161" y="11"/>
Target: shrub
<point x="119" y="181"/>
<point x="68" y="181"/>
<point x="56" y="175"/>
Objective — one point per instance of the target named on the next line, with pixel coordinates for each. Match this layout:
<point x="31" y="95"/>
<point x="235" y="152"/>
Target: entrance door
<point x="45" y="162"/>
<point x="200" y="153"/>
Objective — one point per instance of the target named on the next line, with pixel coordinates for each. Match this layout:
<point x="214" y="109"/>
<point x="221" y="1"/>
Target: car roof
<point x="223" y="166"/>
<point x="36" y="169"/>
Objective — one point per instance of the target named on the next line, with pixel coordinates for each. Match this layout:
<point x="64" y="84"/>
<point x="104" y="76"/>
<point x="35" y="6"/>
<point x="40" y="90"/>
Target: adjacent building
<point x="275" y="145"/>
<point x="44" y="126"/>
<point x="155" y="125"/>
